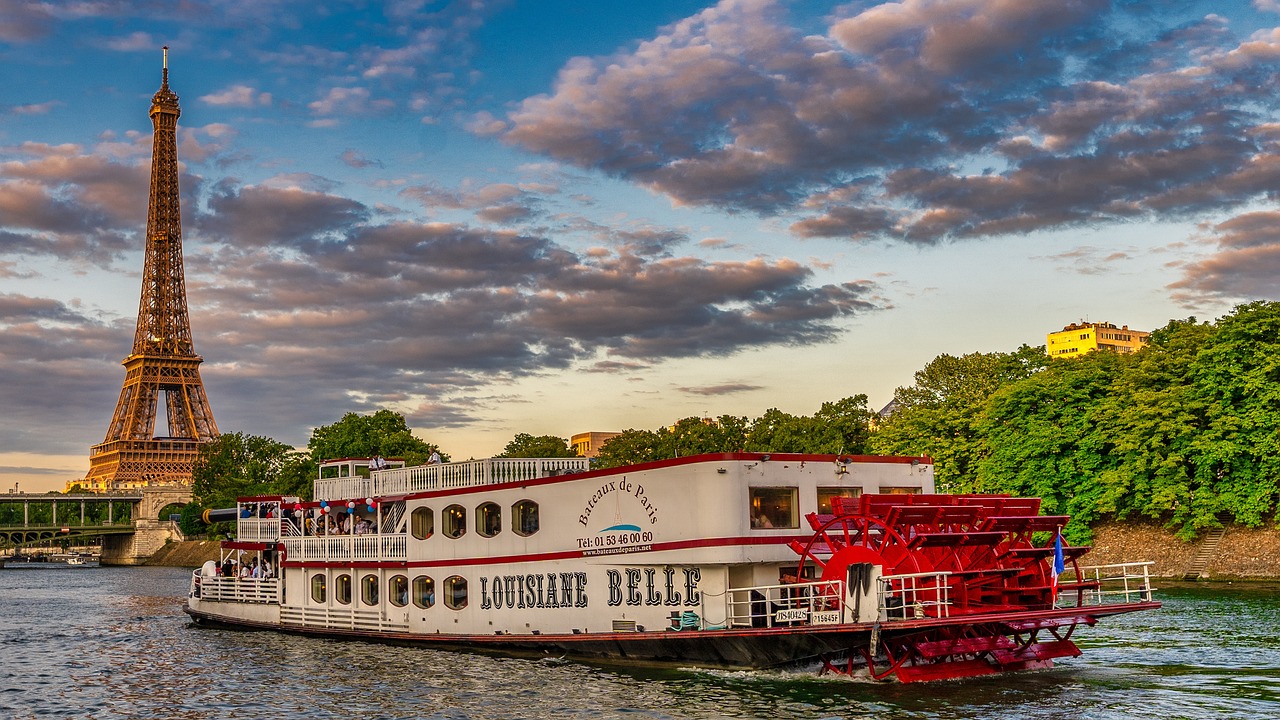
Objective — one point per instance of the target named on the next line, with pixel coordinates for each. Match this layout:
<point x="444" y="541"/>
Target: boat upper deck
<point x="445" y="476"/>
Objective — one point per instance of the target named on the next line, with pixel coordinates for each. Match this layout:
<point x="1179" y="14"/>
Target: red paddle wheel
<point x="962" y="589"/>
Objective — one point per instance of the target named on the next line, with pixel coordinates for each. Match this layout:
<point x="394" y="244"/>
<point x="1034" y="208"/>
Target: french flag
<point x="1058" y="565"/>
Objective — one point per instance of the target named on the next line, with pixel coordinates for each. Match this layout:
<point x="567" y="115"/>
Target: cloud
<point x="411" y="310"/>
<point x="53" y="350"/>
<point x="497" y="203"/>
<point x="35" y="108"/>
<point x="722" y="389"/>
<point x="237" y="96"/>
<point x="1244" y="267"/>
<point x="132" y="42"/>
<point x="22" y="22"/>
<point x="924" y="120"/>
<point x="356" y="159"/>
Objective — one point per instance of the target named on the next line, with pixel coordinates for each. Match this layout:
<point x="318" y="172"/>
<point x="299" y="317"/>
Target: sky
<point x="506" y="216"/>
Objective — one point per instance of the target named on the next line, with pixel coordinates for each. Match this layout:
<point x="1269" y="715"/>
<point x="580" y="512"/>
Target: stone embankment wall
<point x="1243" y="553"/>
<point x="188" y="553"/>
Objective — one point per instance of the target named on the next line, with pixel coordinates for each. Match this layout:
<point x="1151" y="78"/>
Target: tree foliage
<point x="1186" y="431"/>
<point x="237" y="465"/>
<point x="383" y="433"/>
<point x="524" y="445"/>
<point x="940" y="414"/>
<point x="838" y="427"/>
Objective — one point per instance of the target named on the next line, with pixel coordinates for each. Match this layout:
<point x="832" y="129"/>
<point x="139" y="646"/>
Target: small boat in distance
<point x="846" y="564"/>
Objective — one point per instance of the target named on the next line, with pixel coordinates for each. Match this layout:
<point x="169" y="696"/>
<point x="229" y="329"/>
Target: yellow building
<point x="1079" y="338"/>
<point x="588" y="444"/>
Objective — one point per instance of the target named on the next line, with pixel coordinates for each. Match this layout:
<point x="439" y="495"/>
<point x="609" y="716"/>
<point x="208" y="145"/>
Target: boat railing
<point x="259" y="529"/>
<point x="389" y="546"/>
<point x="235" y="589"/>
<point x="447" y="476"/>
<point x="913" y="596"/>
<point x="1109" y="584"/>
<point x="343" y="618"/>
<point x="789" y="604"/>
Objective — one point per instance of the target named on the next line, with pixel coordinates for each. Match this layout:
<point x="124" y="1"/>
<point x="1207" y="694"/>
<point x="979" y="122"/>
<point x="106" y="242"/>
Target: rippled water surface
<point x="113" y="643"/>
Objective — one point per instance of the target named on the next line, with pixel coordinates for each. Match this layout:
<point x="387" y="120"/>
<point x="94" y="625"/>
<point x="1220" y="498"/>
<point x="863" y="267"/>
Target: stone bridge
<point x="128" y="523"/>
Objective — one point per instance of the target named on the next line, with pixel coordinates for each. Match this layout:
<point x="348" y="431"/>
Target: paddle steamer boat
<point x="846" y="564"/>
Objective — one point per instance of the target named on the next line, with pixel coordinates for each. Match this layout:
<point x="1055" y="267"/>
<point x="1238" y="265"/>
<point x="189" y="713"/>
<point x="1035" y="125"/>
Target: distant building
<point x="1079" y="338"/>
<point x="885" y="413"/>
<point x="588" y="444"/>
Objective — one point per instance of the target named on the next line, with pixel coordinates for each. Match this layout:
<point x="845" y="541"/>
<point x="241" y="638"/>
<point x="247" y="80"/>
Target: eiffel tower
<point x="163" y="361"/>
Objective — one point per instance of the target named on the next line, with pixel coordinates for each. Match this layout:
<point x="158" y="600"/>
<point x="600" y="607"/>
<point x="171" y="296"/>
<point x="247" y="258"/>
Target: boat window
<point x="489" y="519"/>
<point x="369" y="589"/>
<point x="398" y="590"/>
<point x="524" y="518"/>
<point x="899" y="491"/>
<point x="826" y="493"/>
<point x="455" y="521"/>
<point x="455" y="592"/>
<point x="423" y="521"/>
<point x="774" y="507"/>
<point x="424" y="591"/>
<point x="318" y="588"/>
<point x="342" y="589"/>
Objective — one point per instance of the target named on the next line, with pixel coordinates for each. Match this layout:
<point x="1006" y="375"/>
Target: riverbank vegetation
<point x="1185" y="431"/>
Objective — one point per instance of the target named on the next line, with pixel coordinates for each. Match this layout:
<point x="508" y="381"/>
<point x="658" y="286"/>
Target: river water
<point x="113" y="643"/>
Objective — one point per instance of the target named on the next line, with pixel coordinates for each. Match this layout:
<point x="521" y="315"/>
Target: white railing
<point x="1115" y="583"/>
<point x="342" y="619"/>
<point x="913" y="596"/>
<point x="347" y="547"/>
<point x="811" y="603"/>
<point x="258" y="529"/>
<point x="233" y="589"/>
<point x="446" y="476"/>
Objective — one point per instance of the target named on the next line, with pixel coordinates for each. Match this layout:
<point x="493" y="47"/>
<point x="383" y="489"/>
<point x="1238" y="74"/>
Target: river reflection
<point x="113" y="643"/>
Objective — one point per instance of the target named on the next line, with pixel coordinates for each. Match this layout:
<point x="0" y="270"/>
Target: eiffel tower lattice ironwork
<point x="163" y="361"/>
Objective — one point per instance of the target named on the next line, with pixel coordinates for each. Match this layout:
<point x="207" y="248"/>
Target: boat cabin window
<point x="899" y="491"/>
<point x="424" y="591"/>
<point x="488" y="519"/>
<point x="455" y="521"/>
<point x="318" y="588"/>
<point x="826" y="493"/>
<point x="398" y="590"/>
<point x="369" y="589"/>
<point x="342" y="589"/>
<point x="455" y="592"/>
<point x="524" y="518"/>
<point x="774" y="507"/>
<point x="423" y="522"/>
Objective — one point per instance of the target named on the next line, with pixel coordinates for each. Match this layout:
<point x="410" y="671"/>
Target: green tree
<point x="940" y="414"/>
<point x="237" y="465"/>
<point x="697" y="436"/>
<point x="383" y="433"/>
<point x="1152" y="417"/>
<point x="632" y="446"/>
<point x="1237" y="378"/>
<point x="1043" y="438"/>
<point x="524" y="445"/>
<point x="688" y="436"/>
<point x="839" y="427"/>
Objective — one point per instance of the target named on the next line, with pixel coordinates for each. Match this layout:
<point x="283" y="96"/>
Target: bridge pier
<point x="151" y="532"/>
<point x="148" y="537"/>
